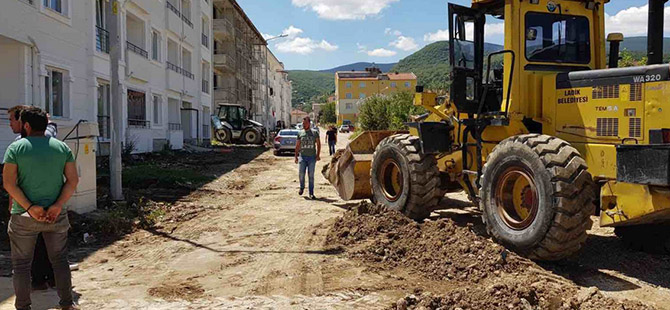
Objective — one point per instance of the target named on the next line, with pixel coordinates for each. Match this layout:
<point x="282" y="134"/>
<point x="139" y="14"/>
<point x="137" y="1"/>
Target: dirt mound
<point x="174" y="291"/>
<point x="489" y="276"/>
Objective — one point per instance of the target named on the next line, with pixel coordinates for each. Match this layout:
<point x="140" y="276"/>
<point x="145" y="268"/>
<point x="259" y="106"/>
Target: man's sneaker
<point x="311" y="196"/>
<point x="70" y="307"/>
<point x="301" y="191"/>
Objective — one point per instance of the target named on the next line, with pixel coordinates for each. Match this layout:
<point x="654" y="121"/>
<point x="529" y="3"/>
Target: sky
<point x="323" y="34"/>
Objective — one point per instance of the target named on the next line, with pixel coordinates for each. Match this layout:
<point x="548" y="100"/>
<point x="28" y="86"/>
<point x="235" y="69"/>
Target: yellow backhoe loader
<point x="538" y="143"/>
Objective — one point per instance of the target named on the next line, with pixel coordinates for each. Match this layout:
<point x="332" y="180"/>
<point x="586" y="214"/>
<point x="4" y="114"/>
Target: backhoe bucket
<point x="349" y="169"/>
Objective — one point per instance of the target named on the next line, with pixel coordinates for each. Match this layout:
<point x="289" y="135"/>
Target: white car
<point x="345" y="128"/>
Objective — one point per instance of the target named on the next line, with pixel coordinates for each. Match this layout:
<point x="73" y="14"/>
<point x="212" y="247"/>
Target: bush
<point x="388" y="112"/>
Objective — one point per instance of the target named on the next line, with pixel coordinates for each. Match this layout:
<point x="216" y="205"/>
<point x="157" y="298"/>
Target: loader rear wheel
<point x="251" y="136"/>
<point x="404" y="179"/>
<point x="537" y="196"/>
<point x="652" y="238"/>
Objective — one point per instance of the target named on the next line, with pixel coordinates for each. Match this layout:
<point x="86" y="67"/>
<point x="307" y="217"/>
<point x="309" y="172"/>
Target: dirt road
<point x="252" y="243"/>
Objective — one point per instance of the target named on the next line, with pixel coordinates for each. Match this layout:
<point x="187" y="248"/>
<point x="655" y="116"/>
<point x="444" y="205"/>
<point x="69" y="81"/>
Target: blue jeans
<point x="306" y="162"/>
<point x="331" y="147"/>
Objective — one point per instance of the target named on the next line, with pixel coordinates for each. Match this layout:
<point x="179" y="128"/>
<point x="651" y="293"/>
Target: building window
<point x="408" y="84"/>
<point x="348" y="95"/>
<point x="361" y="96"/>
<point x="54" y="87"/>
<point x="348" y="85"/>
<point x="137" y="110"/>
<point x="158" y="110"/>
<point x="103" y="111"/>
<point x="56" y="5"/>
<point x="349" y="106"/>
<point x="393" y="85"/>
<point x="362" y="85"/>
<point x="155" y="46"/>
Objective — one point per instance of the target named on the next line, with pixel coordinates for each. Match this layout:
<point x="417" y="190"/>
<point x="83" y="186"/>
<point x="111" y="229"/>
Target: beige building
<point x="238" y="59"/>
<point x="297" y="116"/>
<point x="279" y="92"/>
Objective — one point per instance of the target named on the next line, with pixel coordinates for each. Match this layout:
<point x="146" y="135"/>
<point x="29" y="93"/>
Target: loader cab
<point x="234" y="115"/>
<point x="541" y="37"/>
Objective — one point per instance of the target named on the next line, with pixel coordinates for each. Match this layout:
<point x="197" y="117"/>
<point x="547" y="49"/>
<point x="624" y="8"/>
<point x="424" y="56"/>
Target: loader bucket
<point x="349" y="169"/>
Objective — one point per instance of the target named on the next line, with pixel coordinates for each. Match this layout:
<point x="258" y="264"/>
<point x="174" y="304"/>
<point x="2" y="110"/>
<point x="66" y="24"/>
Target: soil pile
<point x="488" y="276"/>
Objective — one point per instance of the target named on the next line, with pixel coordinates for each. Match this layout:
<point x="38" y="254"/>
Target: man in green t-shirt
<point x="307" y="150"/>
<point x="33" y="177"/>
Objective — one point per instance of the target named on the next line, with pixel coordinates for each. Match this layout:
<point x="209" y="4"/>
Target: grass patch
<point x="146" y="175"/>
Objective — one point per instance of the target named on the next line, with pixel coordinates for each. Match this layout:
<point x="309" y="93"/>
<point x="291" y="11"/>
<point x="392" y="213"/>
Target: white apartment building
<point x="280" y="92"/>
<point x="54" y="54"/>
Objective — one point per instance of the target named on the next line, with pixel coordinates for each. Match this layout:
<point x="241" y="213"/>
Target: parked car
<point x="285" y="141"/>
<point x="345" y="128"/>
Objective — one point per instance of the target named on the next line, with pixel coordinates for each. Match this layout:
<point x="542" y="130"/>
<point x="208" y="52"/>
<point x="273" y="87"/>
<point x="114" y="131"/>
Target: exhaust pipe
<point x="655" y="32"/>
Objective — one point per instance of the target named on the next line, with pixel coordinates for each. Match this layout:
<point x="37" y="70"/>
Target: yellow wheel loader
<point x="537" y="143"/>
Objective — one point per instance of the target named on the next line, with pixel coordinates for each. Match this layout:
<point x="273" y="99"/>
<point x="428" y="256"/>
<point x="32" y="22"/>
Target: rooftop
<point x="371" y="75"/>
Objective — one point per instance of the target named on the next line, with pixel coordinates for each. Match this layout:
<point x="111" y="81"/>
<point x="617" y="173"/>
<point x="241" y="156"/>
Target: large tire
<point x="251" y="136"/>
<point x="537" y="196"/>
<point x="404" y="179"/>
<point x="651" y="238"/>
<point x="223" y="135"/>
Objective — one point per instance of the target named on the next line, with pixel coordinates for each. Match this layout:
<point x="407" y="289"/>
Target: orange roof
<point x="402" y="76"/>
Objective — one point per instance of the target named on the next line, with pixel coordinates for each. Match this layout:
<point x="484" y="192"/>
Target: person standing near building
<point x="33" y="177"/>
<point x="41" y="270"/>
<point x="331" y="136"/>
<point x="307" y="150"/>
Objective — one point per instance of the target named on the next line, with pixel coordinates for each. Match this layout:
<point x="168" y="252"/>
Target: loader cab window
<point x="464" y="42"/>
<point x="233" y="115"/>
<point x="557" y="38"/>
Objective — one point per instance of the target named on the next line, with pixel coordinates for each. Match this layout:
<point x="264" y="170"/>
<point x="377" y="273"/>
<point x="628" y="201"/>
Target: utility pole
<point x="116" y="122"/>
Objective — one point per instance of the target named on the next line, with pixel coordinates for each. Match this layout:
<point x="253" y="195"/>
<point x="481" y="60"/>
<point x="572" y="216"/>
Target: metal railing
<point x="173" y="8"/>
<point x="173" y="67"/>
<point x="205" y="86"/>
<point x="205" y="131"/>
<point x="104" y="126"/>
<point x="187" y="74"/>
<point x="205" y="40"/>
<point x="102" y="39"/>
<point x="174" y="126"/>
<point x="186" y="20"/>
<point x="136" y="49"/>
<point x="139" y="123"/>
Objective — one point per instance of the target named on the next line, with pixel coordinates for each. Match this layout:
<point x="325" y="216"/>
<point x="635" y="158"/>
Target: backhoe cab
<point x="537" y="133"/>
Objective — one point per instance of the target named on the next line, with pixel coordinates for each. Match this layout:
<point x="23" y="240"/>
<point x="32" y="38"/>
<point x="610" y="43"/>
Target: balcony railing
<point x="139" y="123"/>
<point x="205" y="86"/>
<point x="205" y="40"/>
<point x="173" y="67"/>
<point x="174" y="126"/>
<point x="137" y="50"/>
<point x="187" y="74"/>
<point x="172" y="8"/>
<point x="104" y="126"/>
<point x="186" y="20"/>
<point x="205" y="131"/>
<point x="102" y="39"/>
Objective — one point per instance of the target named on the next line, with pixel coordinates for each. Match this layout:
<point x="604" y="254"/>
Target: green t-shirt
<point x="40" y="162"/>
<point x="308" y="142"/>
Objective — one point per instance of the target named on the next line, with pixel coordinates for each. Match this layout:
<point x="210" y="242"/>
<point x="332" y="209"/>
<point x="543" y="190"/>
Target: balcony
<point x="137" y="50"/>
<point x="173" y="8"/>
<point x="205" y="40"/>
<point x="101" y="40"/>
<point x="223" y="28"/>
<point x="187" y="74"/>
<point x="139" y="123"/>
<point x="223" y="62"/>
<point x="205" y="86"/>
<point x="174" y="126"/>
<point x="187" y="21"/>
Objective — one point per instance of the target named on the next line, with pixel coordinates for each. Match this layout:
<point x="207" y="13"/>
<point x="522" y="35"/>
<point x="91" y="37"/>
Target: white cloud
<point x="344" y="9"/>
<point x="633" y="21"/>
<point x="493" y="33"/>
<point x="292" y="31"/>
<point x="389" y="31"/>
<point x="362" y="48"/>
<point x="405" y="43"/>
<point x="381" y="52"/>
<point x="304" y="46"/>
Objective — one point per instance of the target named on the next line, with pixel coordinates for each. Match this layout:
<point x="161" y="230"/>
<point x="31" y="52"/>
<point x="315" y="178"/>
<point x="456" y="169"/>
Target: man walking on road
<point x="331" y="136"/>
<point x="33" y="177"/>
<point x="307" y="150"/>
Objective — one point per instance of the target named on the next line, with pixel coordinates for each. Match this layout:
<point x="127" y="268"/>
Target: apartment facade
<point x="239" y="59"/>
<point x="352" y="87"/>
<point x="280" y="92"/>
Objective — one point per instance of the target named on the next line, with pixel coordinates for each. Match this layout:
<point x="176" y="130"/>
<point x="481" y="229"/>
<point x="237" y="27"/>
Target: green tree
<point x="387" y="112"/>
<point x="328" y="113"/>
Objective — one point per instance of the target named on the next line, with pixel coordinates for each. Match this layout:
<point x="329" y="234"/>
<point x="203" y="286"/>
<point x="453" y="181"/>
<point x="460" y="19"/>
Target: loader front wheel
<point x="404" y="179"/>
<point x="537" y="196"/>
<point x="223" y="135"/>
